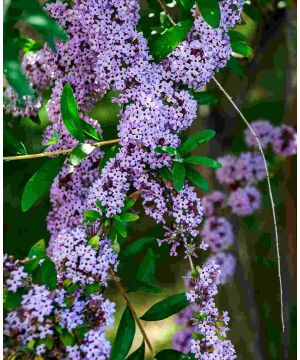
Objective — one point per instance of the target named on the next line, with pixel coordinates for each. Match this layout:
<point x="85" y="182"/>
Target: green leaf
<point x="165" y="308"/>
<point x="210" y="11"/>
<point x="120" y="228"/>
<point x="94" y="242"/>
<point x="166" y="173"/>
<point x="165" y="43"/>
<point x="12" y="300"/>
<point x="234" y="65"/>
<point x="195" y="140"/>
<point x="54" y="138"/>
<point x="90" y="132"/>
<point x="143" y="286"/>
<point x="236" y="36"/>
<point x="92" y="289"/>
<point x="252" y="11"/>
<point x="178" y="175"/>
<point x="166" y="149"/>
<point x="137" y="247"/>
<point x="40" y="182"/>
<point x="69" y="112"/>
<point x="31" y="265"/>
<point x="40" y="20"/>
<point x="205" y="98"/>
<point x="67" y="338"/>
<point x="111" y="152"/>
<point x="38" y="249"/>
<point x="124" y="337"/>
<point x="128" y="204"/>
<point x="186" y="5"/>
<point x="129" y="217"/>
<point x="10" y="138"/>
<point x="79" y="153"/>
<point x="47" y="274"/>
<point x="90" y="216"/>
<point x="197" y="179"/>
<point x="238" y="44"/>
<point x="146" y="269"/>
<point x="202" y="160"/>
<point x="138" y="354"/>
<point x="170" y="354"/>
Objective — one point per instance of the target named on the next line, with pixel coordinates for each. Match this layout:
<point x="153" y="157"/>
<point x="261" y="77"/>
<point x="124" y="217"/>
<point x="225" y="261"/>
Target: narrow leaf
<point x="205" y="98"/>
<point x="138" y="354"/>
<point x="47" y="274"/>
<point x="197" y="179"/>
<point x="129" y="217"/>
<point x="210" y="11"/>
<point x="202" y="160"/>
<point x="13" y="141"/>
<point x="124" y="337"/>
<point x="195" y="140"/>
<point x="165" y="308"/>
<point x="165" y="43"/>
<point x="40" y="182"/>
<point x="166" y="149"/>
<point x="69" y="112"/>
<point x="79" y="153"/>
<point x="137" y="247"/>
<point x="178" y="175"/>
<point x="146" y="269"/>
<point x="90" y="132"/>
<point x="170" y="354"/>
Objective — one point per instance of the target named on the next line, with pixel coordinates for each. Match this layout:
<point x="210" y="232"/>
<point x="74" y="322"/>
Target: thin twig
<point x="134" y="314"/>
<point x="163" y="6"/>
<point x="270" y="191"/>
<point x="56" y="152"/>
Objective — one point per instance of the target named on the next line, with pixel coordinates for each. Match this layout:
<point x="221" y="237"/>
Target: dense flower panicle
<point x="264" y="131"/>
<point x="13" y="106"/>
<point x="209" y="340"/>
<point x="213" y="202"/>
<point x="284" y="141"/>
<point x="217" y="233"/>
<point x="231" y="13"/>
<point x="226" y="263"/>
<point x="80" y="262"/>
<point x="43" y="311"/>
<point x="244" y="201"/>
<point x="68" y="195"/>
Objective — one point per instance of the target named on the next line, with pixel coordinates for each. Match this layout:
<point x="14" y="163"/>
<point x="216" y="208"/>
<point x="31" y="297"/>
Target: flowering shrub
<point x="55" y="303"/>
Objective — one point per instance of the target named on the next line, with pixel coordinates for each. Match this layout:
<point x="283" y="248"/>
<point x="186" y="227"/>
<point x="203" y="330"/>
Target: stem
<point x="270" y="192"/>
<point x="56" y="152"/>
<point x="163" y="6"/>
<point x="134" y="314"/>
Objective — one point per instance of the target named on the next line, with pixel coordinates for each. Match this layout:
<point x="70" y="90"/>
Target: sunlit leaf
<point x="202" y="160"/>
<point x="79" y="153"/>
<point x="210" y="11"/>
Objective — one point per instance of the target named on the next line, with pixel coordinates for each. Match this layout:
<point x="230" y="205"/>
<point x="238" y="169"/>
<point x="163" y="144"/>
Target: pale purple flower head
<point x="244" y="201"/>
<point x="213" y="202"/>
<point x="264" y="131"/>
<point x="284" y="141"/>
<point x="217" y="233"/>
<point x="226" y="263"/>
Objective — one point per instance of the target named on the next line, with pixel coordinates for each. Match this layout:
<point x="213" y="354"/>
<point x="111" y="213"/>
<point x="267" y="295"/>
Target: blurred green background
<point x="252" y="297"/>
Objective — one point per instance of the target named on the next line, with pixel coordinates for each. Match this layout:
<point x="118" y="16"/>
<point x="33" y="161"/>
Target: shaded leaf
<point x="202" y="160"/>
<point x="138" y="354"/>
<point x="137" y="247"/>
<point x="178" y="175"/>
<point x="79" y="153"/>
<point x="165" y="308"/>
<point x="234" y="65"/>
<point x="47" y="274"/>
<point x="197" y="179"/>
<point x="10" y="138"/>
<point x="165" y="43"/>
<point x="205" y="98"/>
<point x="40" y="182"/>
<point x="12" y="300"/>
<point x="124" y="337"/>
<point x="195" y="140"/>
<point x="170" y="354"/>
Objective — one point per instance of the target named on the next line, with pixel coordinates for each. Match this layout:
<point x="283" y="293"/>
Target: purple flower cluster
<point x="81" y="260"/>
<point x="209" y="339"/>
<point x="13" y="106"/>
<point x="282" y="138"/>
<point x="45" y="316"/>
